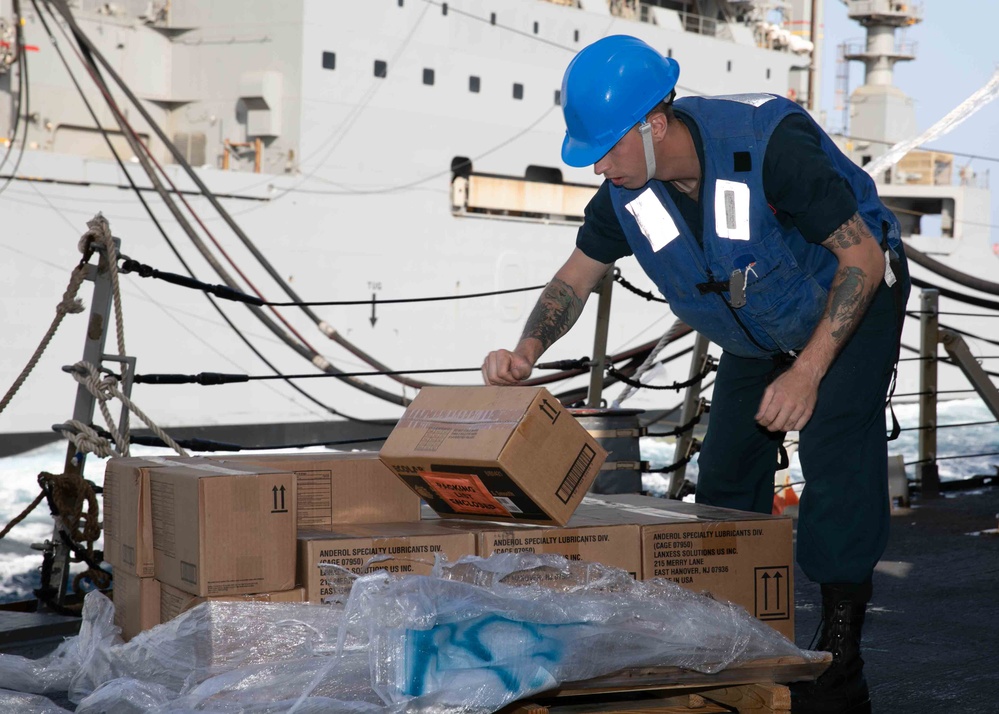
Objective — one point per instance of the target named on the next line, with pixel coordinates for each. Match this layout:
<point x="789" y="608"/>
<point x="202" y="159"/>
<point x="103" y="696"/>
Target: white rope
<point x="106" y="389"/>
<point x="69" y="304"/>
<point x="100" y="232"/>
<point x="957" y="115"/>
<point x="647" y="364"/>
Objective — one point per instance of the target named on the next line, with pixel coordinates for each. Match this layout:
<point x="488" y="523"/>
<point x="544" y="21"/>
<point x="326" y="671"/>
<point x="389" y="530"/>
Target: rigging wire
<point x="22" y="86"/>
<point x="157" y="223"/>
<point x="140" y="151"/>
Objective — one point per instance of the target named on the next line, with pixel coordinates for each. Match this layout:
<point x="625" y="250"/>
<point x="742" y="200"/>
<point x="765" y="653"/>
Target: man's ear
<point x="659" y="125"/>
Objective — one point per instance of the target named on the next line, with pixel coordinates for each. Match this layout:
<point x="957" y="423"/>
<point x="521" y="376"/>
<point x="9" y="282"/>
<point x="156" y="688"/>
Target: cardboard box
<point x="494" y="453"/>
<point x="128" y="526"/>
<point x="136" y="603"/>
<point x="745" y="558"/>
<point x="399" y="548"/>
<point x="173" y="602"/>
<point x="218" y="530"/>
<point x="582" y="539"/>
<point x="340" y="487"/>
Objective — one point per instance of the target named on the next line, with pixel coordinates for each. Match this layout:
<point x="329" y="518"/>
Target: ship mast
<point x="881" y="114"/>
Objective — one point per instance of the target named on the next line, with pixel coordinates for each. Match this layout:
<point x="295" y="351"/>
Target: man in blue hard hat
<point x="765" y="238"/>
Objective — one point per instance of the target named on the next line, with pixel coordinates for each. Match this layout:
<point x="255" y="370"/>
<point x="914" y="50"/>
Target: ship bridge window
<point x="329" y="60"/>
<point x="492" y="18"/>
<point x="536" y="28"/>
<point x="768" y="73"/>
<point x="444" y="8"/>
<point x="381" y="68"/>
<point x="428" y="76"/>
<point x="518" y="91"/>
<point x="669" y="52"/>
<point x="473" y="84"/>
<point x="575" y="35"/>
<point x="543" y="174"/>
<point x="729" y="67"/>
<point x="558" y="97"/>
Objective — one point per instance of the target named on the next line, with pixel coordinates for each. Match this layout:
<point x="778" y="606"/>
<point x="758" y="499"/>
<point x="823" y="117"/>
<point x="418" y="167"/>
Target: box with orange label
<point x="494" y="453"/>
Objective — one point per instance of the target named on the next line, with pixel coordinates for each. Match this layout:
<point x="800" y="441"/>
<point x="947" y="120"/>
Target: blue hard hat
<point x="609" y="87"/>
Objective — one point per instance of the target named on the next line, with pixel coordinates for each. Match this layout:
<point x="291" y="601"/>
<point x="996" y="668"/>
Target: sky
<point x="956" y="54"/>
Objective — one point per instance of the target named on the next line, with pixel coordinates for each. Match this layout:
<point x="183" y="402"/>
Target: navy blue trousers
<point x="844" y="512"/>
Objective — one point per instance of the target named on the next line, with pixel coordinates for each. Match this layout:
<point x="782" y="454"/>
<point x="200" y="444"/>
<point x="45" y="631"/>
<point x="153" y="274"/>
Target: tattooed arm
<point x="788" y="403"/>
<point x="557" y="309"/>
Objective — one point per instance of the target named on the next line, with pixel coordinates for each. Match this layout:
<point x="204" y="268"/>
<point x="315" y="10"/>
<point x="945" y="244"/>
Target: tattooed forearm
<point x="556" y="311"/>
<point x="848" y="234"/>
<point x="848" y="298"/>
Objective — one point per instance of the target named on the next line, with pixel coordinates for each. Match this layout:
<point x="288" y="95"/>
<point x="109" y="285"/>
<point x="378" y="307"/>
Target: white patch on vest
<point x="653" y="219"/>
<point x="756" y="100"/>
<point x="889" y="273"/>
<point x="732" y="210"/>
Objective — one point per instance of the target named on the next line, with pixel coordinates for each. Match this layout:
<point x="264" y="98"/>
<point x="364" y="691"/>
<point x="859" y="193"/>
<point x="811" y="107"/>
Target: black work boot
<point x="842" y="688"/>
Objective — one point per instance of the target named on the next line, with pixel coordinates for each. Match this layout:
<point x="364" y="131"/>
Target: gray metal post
<point x="604" y="289"/>
<point x="691" y="403"/>
<point x="927" y="472"/>
<point x="83" y="410"/>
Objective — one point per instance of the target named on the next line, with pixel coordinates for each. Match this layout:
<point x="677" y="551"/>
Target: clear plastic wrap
<point x="472" y="637"/>
<point x="27" y="703"/>
<point x="466" y="636"/>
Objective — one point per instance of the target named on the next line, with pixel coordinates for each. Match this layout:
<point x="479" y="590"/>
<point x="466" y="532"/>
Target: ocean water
<point x="19" y="563"/>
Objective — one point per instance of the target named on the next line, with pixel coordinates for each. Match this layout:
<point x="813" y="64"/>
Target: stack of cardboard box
<point x="501" y="469"/>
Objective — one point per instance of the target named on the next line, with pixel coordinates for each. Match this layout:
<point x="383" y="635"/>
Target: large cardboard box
<point x="494" y="453"/>
<point x="128" y="527"/>
<point x="399" y="548"/>
<point x="218" y="530"/>
<point x="136" y="603"/>
<point x="610" y="543"/>
<point x="340" y="487"/>
<point x="745" y="558"/>
<point x="173" y="601"/>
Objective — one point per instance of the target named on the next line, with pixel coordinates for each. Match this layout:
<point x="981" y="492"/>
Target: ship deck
<point x="931" y="638"/>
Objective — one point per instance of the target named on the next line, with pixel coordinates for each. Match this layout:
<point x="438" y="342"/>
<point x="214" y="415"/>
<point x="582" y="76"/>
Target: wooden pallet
<point x="753" y="688"/>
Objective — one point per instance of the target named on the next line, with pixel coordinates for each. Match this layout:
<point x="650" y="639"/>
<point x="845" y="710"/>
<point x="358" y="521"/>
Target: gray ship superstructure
<point x="370" y="151"/>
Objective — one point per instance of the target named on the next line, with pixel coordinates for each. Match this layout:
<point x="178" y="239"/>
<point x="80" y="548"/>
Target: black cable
<point x="618" y="278"/>
<point x="949" y="426"/>
<point x="212" y="379"/>
<point x="676" y="386"/>
<point x="947" y="458"/>
<point x="224" y="291"/>
<point x="197" y="444"/>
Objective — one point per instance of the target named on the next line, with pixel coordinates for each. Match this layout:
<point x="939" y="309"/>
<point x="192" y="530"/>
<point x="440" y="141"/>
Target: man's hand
<point x="502" y="367"/>
<point x="789" y="401"/>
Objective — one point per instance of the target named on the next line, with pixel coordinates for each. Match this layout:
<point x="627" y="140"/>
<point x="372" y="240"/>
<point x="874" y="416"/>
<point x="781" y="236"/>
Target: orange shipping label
<point x="465" y="493"/>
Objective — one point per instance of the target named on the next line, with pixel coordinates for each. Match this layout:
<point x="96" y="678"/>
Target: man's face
<point x="624" y="164"/>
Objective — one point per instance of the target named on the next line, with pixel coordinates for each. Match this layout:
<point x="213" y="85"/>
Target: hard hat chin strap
<point x="645" y="129"/>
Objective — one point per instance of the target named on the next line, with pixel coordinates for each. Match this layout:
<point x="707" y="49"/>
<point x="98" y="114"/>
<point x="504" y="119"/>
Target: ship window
<point x="575" y="35"/>
<point x="535" y="28"/>
<point x="443" y="8"/>
<point x="492" y="18"/>
<point x="730" y="65"/>
<point x="381" y="68"/>
<point x="518" y="91"/>
<point x="558" y="97"/>
<point x="669" y="52"/>
<point x="400" y="3"/>
<point x="768" y="73"/>
<point x="329" y="60"/>
<point x="473" y="84"/>
<point x="428" y="76"/>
